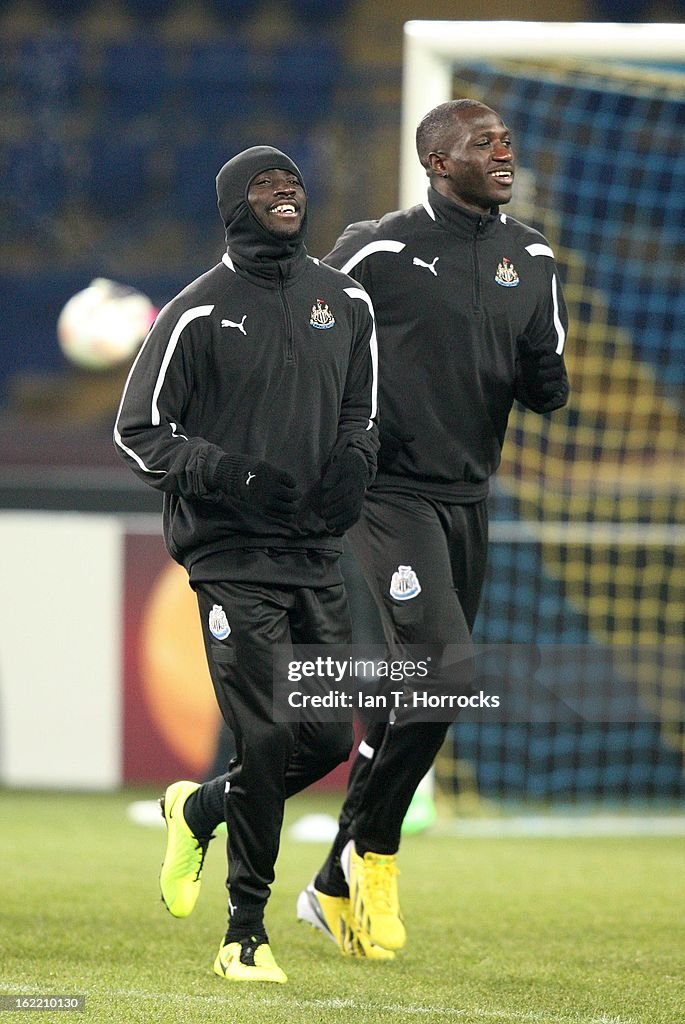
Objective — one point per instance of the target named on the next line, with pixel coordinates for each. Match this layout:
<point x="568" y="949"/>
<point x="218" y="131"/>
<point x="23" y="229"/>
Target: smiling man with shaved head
<point x="471" y="318"/>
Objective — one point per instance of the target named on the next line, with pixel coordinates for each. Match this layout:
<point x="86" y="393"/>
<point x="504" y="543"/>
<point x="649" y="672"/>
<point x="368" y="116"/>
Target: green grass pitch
<point x="501" y="931"/>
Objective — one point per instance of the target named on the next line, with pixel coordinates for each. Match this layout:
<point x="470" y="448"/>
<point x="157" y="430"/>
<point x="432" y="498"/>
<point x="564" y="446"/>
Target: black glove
<point x="342" y="490"/>
<point x="541" y="383"/>
<point x="543" y="373"/>
<point x="266" y="488"/>
<point x="391" y="446"/>
<point x="550" y="373"/>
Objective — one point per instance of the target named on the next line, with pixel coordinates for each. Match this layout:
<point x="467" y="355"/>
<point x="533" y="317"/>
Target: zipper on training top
<point x="476" y="267"/>
<point x="288" y="323"/>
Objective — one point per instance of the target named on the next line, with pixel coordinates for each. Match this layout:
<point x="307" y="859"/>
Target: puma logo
<point x="250" y="476"/>
<point x="240" y="327"/>
<point x="429" y="266"/>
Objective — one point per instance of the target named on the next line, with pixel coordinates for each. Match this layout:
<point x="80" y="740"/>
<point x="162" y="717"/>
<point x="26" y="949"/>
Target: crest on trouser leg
<point x="404" y="584"/>
<point x="218" y="623"/>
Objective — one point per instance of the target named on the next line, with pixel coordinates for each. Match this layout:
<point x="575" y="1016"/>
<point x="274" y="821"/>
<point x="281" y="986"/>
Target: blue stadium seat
<point x="66" y="8"/>
<point x="17" y="160"/>
<point x="213" y="83"/>
<point x="233" y="11"/>
<point x="320" y="11"/>
<point x="141" y="10"/>
<point x="217" y="62"/>
<point x="34" y="177"/>
<point x="304" y="77"/>
<point x="197" y="165"/>
<point x="48" y="69"/>
<point x="134" y="75"/>
<point x="117" y="183"/>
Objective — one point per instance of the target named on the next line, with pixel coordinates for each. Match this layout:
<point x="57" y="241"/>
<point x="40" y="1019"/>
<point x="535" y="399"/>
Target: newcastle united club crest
<point x="506" y="274"/>
<point x="404" y="584"/>
<point x="218" y="623"/>
<point x="321" y="317"/>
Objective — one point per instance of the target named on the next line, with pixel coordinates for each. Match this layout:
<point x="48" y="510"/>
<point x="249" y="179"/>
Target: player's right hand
<point x="270" y="489"/>
<point x="265" y="487"/>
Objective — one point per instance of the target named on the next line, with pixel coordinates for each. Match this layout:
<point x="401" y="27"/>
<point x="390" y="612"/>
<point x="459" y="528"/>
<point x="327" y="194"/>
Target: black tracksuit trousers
<point x="273" y="759"/>
<point x="446" y="546"/>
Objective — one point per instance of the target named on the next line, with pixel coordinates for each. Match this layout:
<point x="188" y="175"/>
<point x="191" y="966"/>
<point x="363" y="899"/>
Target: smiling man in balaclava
<point x="252" y="407"/>
<point x="263" y="204"/>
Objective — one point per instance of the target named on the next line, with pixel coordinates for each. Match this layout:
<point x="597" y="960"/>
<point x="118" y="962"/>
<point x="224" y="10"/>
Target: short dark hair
<point x="437" y="124"/>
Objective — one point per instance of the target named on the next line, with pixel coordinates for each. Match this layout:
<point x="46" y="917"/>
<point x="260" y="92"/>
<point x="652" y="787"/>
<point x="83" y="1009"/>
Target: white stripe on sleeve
<point x="538" y="249"/>
<point x="558" y="326"/>
<point x="365" y="750"/>
<point x="359" y="293"/>
<point x="383" y="245"/>
<point x="184" y="320"/>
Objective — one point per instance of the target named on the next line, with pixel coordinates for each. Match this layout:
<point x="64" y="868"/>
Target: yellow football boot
<point x="331" y="915"/>
<point x="249" y="960"/>
<point x="374" y="901"/>
<point x="180" y="878"/>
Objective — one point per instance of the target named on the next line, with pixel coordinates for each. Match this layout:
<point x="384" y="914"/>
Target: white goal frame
<point x="431" y="49"/>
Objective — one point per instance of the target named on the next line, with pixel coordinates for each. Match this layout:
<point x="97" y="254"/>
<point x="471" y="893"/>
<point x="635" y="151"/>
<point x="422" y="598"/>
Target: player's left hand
<point x="540" y="377"/>
<point x="549" y="373"/>
<point x="342" y="490"/>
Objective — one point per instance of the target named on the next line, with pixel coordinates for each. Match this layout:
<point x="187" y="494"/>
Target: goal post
<point x="588" y="506"/>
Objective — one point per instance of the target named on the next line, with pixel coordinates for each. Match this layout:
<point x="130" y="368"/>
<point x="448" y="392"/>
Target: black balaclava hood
<point x="254" y="249"/>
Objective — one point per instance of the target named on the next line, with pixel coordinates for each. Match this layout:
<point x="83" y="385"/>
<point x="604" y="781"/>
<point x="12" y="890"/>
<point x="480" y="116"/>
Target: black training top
<point x="268" y="355"/>
<point x="458" y="296"/>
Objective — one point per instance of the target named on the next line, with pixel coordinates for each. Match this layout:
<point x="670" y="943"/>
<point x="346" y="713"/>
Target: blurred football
<point x="104" y="325"/>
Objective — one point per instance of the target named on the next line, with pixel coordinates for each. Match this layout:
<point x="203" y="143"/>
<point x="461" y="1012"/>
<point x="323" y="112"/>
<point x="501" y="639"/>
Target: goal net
<point x="588" y="508"/>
